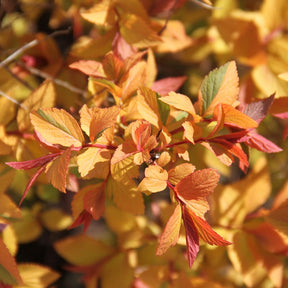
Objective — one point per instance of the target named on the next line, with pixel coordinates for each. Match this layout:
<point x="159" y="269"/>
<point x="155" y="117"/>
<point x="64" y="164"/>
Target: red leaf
<point x="26" y="165"/>
<point x="84" y="218"/>
<point x="192" y="238"/>
<point x="258" y="110"/>
<point x="89" y="67"/>
<point x="30" y="183"/>
<point x="205" y="231"/>
<point x="260" y="143"/>
<point x="166" y="85"/>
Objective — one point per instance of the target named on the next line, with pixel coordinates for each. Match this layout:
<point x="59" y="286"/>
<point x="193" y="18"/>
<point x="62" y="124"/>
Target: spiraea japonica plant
<point x="172" y="188"/>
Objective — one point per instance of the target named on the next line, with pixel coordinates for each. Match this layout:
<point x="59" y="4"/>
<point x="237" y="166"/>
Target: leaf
<point x="81" y="250"/>
<point x="55" y="219"/>
<point x="147" y="105"/>
<point x="220" y="86"/>
<point x="44" y="96"/>
<point x="37" y="276"/>
<point x="235" y="118"/>
<point x="175" y="175"/>
<point x="101" y="120"/>
<point x="29" y="164"/>
<point x="126" y="197"/>
<point x="8" y="208"/>
<point x="94" y="163"/>
<point x="56" y="126"/>
<point x="254" y="140"/>
<point x="179" y="101"/>
<point x="142" y="35"/>
<point x="258" y="110"/>
<point x="155" y="179"/>
<point x="198" y="184"/>
<point x="28" y="228"/>
<point x="163" y="109"/>
<point x="117" y="272"/>
<point x="31" y="182"/>
<point x="56" y="171"/>
<point x="94" y="202"/>
<point x="89" y="67"/>
<point x="205" y="232"/>
<point x="170" y="234"/>
<point x="9" y="273"/>
<point x="166" y="85"/>
<point x="192" y="238"/>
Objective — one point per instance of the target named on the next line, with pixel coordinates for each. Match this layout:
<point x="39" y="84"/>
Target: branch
<point x="29" y="45"/>
<point x="13" y="100"/>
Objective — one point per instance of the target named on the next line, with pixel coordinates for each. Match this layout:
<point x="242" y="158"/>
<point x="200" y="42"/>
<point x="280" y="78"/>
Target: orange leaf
<point x="56" y="171"/>
<point x="198" y="184"/>
<point x="94" y="202"/>
<point x="101" y="120"/>
<point x="8" y="263"/>
<point x="205" y="232"/>
<point x="176" y="174"/>
<point x="57" y="126"/>
<point x="170" y="234"/>
<point x="235" y="118"/>
<point x="89" y="67"/>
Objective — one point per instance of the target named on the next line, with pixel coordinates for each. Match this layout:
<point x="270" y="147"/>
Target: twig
<point x="29" y="45"/>
<point x="59" y="82"/>
<point x="204" y="5"/>
<point x="13" y="100"/>
<point x="18" y="78"/>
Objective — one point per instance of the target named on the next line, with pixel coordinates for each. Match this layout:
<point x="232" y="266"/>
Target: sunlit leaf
<point x="57" y="127"/>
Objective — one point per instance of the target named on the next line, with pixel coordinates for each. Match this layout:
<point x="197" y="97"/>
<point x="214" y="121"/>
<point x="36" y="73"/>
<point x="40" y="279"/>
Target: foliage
<point x="147" y="140"/>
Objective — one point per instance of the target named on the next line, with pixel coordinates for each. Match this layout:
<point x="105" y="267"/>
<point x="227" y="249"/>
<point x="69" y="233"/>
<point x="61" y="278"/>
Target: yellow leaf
<point x="101" y="13"/>
<point x="10" y="240"/>
<point x="36" y="276"/>
<point x="126" y="197"/>
<point x="8" y="209"/>
<point x="138" y="32"/>
<point x="179" y="172"/>
<point x="119" y="220"/>
<point x="28" y="228"/>
<point x="81" y="250"/>
<point x="147" y="105"/>
<point x="57" y="126"/>
<point x="117" y="272"/>
<point x="42" y="97"/>
<point x="101" y="120"/>
<point x="94" y="163"/>
<point x="155" y="179"/>
<point x="179" y="101"/>
<point x="55" y="219"/>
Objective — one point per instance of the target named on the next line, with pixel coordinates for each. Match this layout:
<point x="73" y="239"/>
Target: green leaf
<point x="211" y="84"/>
<point x="163" y="109"/>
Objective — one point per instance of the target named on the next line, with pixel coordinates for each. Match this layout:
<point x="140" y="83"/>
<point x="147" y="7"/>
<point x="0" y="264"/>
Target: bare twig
<point x="29" y="45"/>
<point x="204" y="5"/>
<point x="59" y="82"/>
<point x="18" y="78"/>
<point x="13" y="100"/>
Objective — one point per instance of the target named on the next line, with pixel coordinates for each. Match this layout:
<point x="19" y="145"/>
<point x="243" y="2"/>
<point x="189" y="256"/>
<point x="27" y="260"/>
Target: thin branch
<point x="204" y="5"/>
<point x="18" y="78"/>
<point x="13" y="100"/>
<point x="29" y="45"/>
<point x="59" y="82"/>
